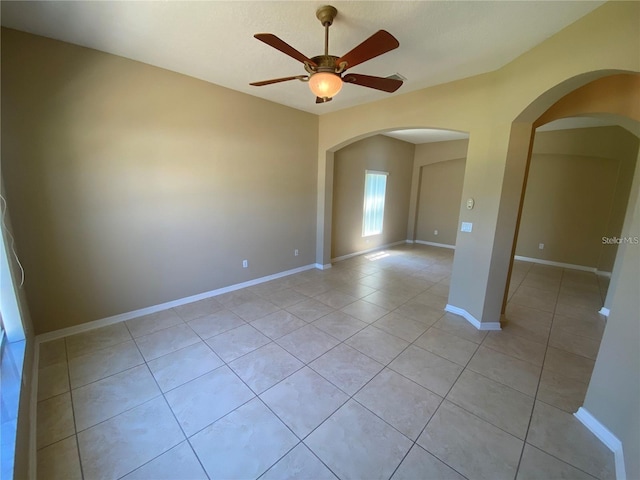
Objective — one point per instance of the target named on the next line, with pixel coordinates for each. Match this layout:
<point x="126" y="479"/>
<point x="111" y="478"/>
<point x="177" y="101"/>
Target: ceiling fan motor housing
<point x="325" y="63"/>
<point x="326" y="71"/>
<point x="326" y="14"/>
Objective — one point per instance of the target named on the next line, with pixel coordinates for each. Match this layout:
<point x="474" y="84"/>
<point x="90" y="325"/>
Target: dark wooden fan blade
<point x="277" y="80"/>
<point x="323" y="100"/>
<point x="377" y="44"/>
<point x="273" y="41"/>
<point x="379" y="83"/>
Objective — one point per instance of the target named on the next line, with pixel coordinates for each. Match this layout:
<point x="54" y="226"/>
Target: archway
<point x="616" y="95"/>
<point x="610" y="408"/>
<point x="456" y="142"/>
<point x="482" y="298"/>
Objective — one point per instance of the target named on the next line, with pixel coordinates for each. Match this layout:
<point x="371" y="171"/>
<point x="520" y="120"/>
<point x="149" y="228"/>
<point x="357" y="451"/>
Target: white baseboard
<point x="434" y="244"/>
<point x="45" y="337"/>
<point x="602" y="273"/>
<point x="379" y="247"/>
<point x="605" y="436"/>
<point x="409" y="241"/>
<point x="604" y="311"/>
<point x="320" y="266"/>
<point x="556" y="264"/>
<point x="120" y="318"/>
<point x="473" y="320"/>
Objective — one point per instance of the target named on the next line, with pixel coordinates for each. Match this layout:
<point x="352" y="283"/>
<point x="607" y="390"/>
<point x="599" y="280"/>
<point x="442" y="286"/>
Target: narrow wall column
<point x="494" y="176"/>
<point x="614" y="389"/>
<point x="324" y="209"/>
<point x="413" y="201"/>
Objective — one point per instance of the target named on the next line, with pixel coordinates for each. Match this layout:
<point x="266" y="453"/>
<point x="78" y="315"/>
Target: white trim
<point x="33" y="411"/>
<point x="319" y="266"/>
<point x="11" y="313"/>
<point x="603" y="273"/>
<point x="377" y="172"/>
<point x="45" y="337"/>
<point x="379" y="247"/>
<point x="556" y="264"/>
<point x="409" y="241"/>
<point x="164" y="306"/>
<point x="434" y="244"/>
<point x="605" y="436"/>
<point x="471" y="319"/>
<point x="604" y="311"/>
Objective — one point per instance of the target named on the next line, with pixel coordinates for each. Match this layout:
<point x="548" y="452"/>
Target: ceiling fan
<point x="327" y="73"/>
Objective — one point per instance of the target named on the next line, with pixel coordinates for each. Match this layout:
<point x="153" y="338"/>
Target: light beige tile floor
<point x="355" y="372"/>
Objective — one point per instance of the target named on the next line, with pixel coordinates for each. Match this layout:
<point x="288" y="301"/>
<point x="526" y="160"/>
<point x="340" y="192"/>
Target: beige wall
<point x="13" y="353"/>
<point x="566" y="208"/>
<point x="131" y="186"/>
<point x="614" y="391"/>
<point x="603" y="42"/>
<point x="610" y="95"/>
<point x="577" y="192"/>
<point x="439" y="201"/>
<point x="375" y="153"/>
<point x="427" y="154"/>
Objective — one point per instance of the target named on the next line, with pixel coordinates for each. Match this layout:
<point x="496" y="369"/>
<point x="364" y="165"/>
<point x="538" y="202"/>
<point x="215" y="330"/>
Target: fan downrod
<point x="329" y="68"/>
<point x="326" y="14"/>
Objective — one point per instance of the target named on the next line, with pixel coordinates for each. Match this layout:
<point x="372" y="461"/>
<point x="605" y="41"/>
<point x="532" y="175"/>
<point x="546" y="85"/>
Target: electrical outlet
<point x="295" y="252"/>
<point x="435" y="232"/>
<point x="245" y="263"/>
<point x="541" y="246"/>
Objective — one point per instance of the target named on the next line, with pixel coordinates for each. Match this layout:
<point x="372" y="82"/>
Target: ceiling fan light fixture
<point x="325" y="84"/>
<point x="327" y="72"/>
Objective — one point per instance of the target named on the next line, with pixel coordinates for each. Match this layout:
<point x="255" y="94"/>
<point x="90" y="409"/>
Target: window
<point x="375" y="186"/>
<point x="12" y="350"/>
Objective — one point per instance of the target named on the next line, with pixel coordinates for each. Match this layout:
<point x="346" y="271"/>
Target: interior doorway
<point x="426" y="169"/>
<point x="575" y="198"/>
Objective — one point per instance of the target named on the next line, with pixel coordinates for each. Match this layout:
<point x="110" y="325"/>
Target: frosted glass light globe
<point x="325" y="84"/>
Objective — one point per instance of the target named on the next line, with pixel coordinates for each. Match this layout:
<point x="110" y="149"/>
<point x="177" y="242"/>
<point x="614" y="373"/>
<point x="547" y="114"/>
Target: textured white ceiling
<point x="440" y="41"/>
<point x="578" y="122"/>
<point x="426" y="135"/>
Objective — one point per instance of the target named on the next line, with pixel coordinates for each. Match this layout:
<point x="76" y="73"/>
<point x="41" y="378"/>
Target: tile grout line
<point x="300" y="440"/>
<point x="436" y="411"/>
<point x="350" y="397"/>
<point x="535" y="398"/>
<point x="73" y="410"/>
<point x="125" y="370"/>
<point x="186" y="438"/>
<point x="145" y="361"/>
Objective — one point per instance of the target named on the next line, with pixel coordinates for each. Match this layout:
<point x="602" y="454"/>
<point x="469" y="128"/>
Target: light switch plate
<point x="466" y="227"/>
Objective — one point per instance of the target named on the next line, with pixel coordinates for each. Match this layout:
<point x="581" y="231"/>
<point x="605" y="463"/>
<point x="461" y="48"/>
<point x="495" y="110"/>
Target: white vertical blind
<point x="375" y="187"/>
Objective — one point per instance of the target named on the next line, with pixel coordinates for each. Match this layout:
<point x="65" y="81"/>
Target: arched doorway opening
<point x="609" y="98"/>
<point x="344" y="187"/>
<point x="608" y="397"/>
<point x="574" y="201"/>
